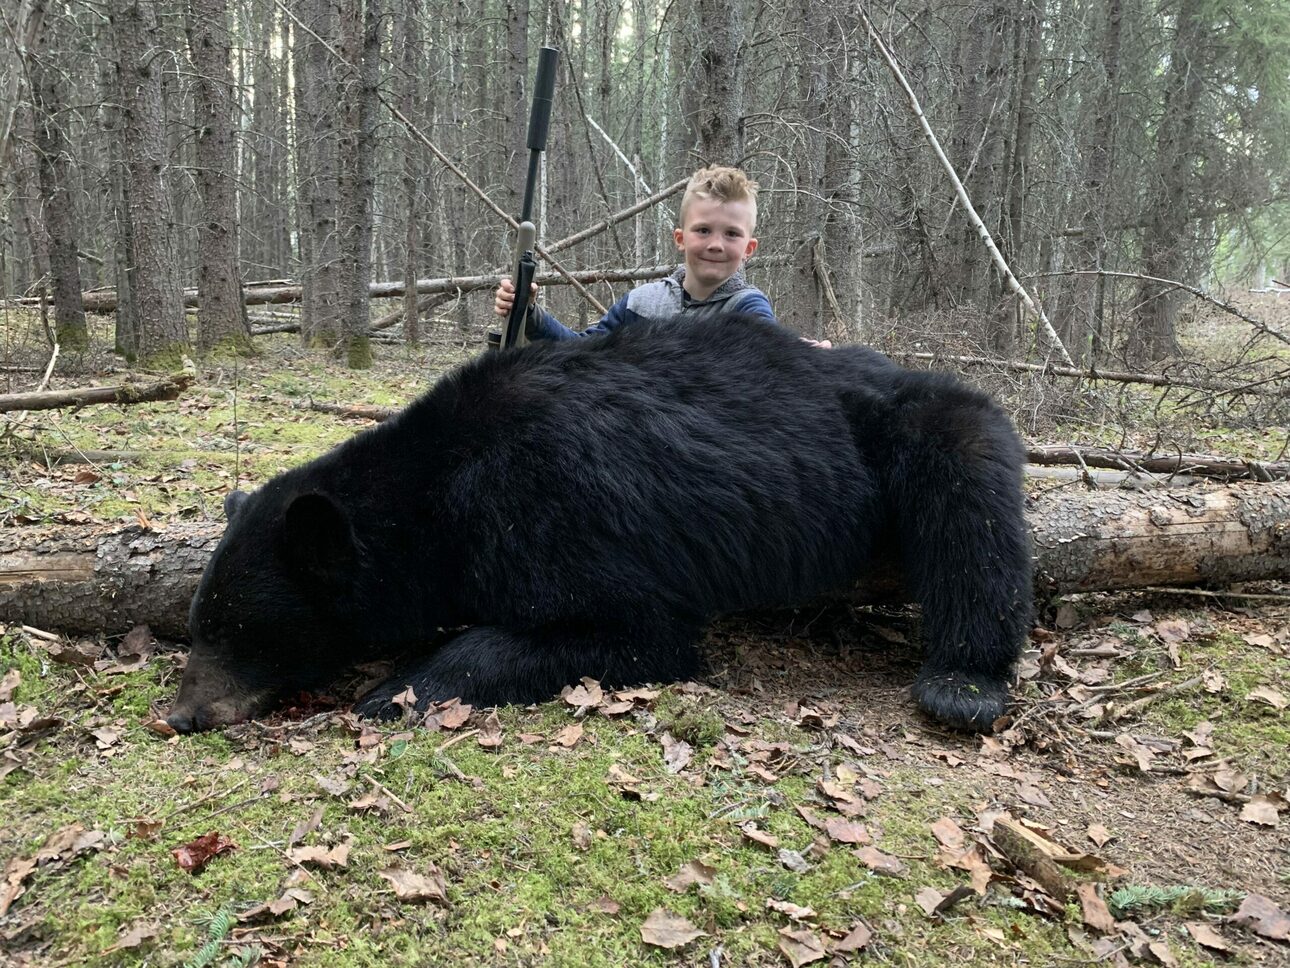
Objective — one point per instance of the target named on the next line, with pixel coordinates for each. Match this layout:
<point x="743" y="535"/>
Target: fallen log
<point x="108" y="579"/>
<point x="127" y="393"/>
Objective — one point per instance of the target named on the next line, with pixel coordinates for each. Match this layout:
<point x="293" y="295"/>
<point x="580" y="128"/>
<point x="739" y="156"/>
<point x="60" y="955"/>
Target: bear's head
<point x="275" y="610"/>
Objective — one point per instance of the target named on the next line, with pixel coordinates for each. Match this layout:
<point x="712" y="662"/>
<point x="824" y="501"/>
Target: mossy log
<point x="109" y="579"/>
<point x="123" y="394"/>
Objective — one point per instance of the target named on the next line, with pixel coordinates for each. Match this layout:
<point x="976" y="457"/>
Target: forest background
<point x="158" y="147"/>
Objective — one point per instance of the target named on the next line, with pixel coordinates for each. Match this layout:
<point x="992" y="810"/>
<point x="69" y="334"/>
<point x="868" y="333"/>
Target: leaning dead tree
<point x="96" y="579"/>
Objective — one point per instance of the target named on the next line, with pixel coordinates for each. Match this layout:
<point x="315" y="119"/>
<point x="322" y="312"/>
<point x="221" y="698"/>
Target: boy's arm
<point x="755" y="303"/>
<point x="548" y="327"/>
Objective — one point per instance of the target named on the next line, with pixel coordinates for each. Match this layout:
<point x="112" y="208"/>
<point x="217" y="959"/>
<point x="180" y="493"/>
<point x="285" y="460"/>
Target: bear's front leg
<point x="490" y="666"/>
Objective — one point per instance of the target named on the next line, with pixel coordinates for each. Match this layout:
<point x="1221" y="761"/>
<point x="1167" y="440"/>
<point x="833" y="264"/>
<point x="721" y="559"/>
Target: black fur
<point x="585" y="507"/>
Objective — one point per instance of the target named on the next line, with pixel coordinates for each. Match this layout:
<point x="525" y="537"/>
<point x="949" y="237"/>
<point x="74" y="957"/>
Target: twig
<point x="1140" y="704"/>
<point x="1206" y="593"/>
<point x="49" y="370"/>
<point x="1092" y="373"/>
<point x="961" y="192"/>
<point x="389" y="793"/>
<point x="1225" y="306"/>
<point x="456" y="739"/>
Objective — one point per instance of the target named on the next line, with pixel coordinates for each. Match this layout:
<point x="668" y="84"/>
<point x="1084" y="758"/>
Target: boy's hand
<point x="823" y="344"/>
<point x="504" y="298"/>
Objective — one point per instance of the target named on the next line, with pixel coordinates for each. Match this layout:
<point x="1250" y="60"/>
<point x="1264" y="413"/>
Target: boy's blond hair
<point x="721" y="183"/>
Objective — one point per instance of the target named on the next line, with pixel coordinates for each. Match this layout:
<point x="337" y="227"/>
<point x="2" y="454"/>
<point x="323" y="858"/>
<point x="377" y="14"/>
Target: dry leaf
<point x="1096" y="914"/>
<point x="664" y="930"/>
<point x="8" y="683"/>
<point x="691" y="873"/>
<point x="1206" y="936"/>
<point x="1099" y="834"/>
<point x="846" y="831"/>
<point x="1263" y="917"/>
<point x="794" y="911"/>
<point x="136" y="936"/>
<point x="490" y="733"/>
<point x="411" y="886"/>
<point x="321" y="857"/>
<point x="859" y="937"/>
<point x="759" y="837"/>
<point x="801" y="947"/>
<point x="451" y="714"/>
<point x="935" y="903"/>
<point x="677" y="753"/>
<point x="570" y="735"/>
<point x="1266" y="694"/>
<point x="881" y="863"/>
<point x="196" y="854"/>
<point x="588" y="693"/>
<point x="948" y="833"/>
<point x="1263" y="809"/>
<point x="604" y="905"/>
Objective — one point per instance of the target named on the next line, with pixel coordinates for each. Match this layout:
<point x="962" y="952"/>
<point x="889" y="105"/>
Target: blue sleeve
<point x="548" y="327"/>
<point x="755" y="303"/>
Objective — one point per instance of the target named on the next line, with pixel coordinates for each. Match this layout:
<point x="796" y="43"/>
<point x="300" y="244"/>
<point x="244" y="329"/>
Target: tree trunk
<point x="101" y="579"/>
<point x="1079" y="316"/>
<point x="163" y="335"/>
<point x="410" y="82"/>
<point x="57" y="190"/>
<point x="361" y="47"/>
<point x="123" y="302"/>
<point x="1165" y="243"/>
<point x="322" y="326"/>
<point x="221" y="320"/>
<point x="719" y="94"/>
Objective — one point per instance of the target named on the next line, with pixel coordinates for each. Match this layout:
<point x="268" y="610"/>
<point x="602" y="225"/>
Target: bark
<point x="322" y="325"/>
<point x="100" y="579"/>
<point x="302" y="157"/>
<point x="123" y="301"/>
<point x="516" y="74"/>
<point x="139" y="43"/>
<point x="410" y="29"/>
<point x="361" y="47"/>
<point x="222" y="317"/>
<point x="1079" y="321"/>
<point x="1165" y="249"/>
<point x="57" y="191"/>
<point x="719" y="94"/>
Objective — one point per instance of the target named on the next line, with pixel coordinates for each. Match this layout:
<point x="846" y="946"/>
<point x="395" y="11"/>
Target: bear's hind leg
<point x="491" y="666"/>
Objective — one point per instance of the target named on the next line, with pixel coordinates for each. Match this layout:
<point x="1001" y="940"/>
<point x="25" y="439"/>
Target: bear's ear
<point x="317" y="538"/>
<point x="233" y="502"/>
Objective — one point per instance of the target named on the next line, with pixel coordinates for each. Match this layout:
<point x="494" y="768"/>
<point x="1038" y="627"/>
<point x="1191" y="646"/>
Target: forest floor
<point x="792" y="807"/>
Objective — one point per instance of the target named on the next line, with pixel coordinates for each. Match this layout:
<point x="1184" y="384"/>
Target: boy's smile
<point x="715" y="239"/>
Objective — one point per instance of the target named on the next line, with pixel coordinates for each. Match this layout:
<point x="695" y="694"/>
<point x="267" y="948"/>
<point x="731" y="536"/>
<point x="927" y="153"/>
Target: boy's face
<point x="715" y="238"/>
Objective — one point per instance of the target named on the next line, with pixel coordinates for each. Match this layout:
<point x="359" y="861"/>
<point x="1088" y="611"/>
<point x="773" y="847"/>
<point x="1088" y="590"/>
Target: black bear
<point x="582" y="508"/>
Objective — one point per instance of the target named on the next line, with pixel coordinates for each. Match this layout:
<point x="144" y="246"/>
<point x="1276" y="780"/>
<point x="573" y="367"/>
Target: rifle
<point x="515" y="333"/>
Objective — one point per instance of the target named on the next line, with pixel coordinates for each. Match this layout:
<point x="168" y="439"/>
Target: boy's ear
<point x="752" y="247"/>
<point x="317" y="539"/>
<point x="678" y="236"/>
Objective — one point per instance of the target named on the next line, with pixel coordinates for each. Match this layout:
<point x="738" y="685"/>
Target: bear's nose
<point x="182" y="722"/>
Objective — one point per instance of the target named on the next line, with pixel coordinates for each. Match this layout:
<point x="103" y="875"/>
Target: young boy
<point x="718" y="217"/>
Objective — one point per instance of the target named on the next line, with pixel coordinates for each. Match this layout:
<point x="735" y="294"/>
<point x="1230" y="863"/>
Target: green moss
<point x="688" y="718"/>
